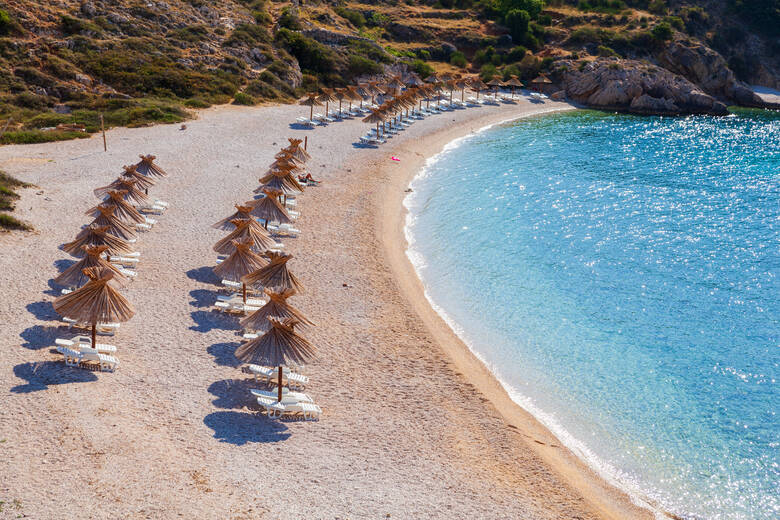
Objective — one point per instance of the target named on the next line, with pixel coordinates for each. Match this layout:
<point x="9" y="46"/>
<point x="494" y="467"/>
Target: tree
<point x="517" y="22"/>
<point x="532" y="7"/>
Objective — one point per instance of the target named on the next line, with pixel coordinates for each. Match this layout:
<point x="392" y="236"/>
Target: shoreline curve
<point x="607" y="496"/>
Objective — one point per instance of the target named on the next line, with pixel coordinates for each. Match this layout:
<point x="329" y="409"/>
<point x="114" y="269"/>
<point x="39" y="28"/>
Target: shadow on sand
<point x="224" y="354"/>
<point x="241" y="428"/>
<point x="233" y="394"/>
<point x="206" y="321"/>
<point x="203" y="274"/>
<point x="300" y="126"/>
<point x="42" y="375"/>
<point x="39" y="336"/>
<point x="43" y="311"/>
<point x="202" y="298"/>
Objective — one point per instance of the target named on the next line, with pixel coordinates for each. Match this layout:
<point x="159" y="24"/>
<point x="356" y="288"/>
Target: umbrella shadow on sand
<point x="42" y="375"/>
<point x="206" y="321"/>
<point x="224" y="354"/>
<point x="203" y="274"/>
<point x="241" y="428"/>
<point x="233" y="394"/>
<point x="299" y="126"/>
<point x="42" y="310"/>
<point x="63" y="263"/>
<point x="202" y="298"/>
<point x="54" y="288"/>
<point x="39" y="336"/>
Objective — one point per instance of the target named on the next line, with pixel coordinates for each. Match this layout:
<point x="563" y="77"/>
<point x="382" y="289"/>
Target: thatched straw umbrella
<point x="241" y="261"/>
<point x="277" y="307"/>
<point x="477" y="85"/>
<point x="278" y="347"/>
<point x="340" y="94"/>
<point x="94" y="235"/>
<point x="539" y="81"/>
<point x="96" y="302"/>
<point x="127" y="184"/>
<point x="242" y="213"/>
<point x="495" y="83"/>
<point x="326" y="97"/>
<point x="514" y="83"/>
<point x="395" y="84"/>
<point x="376" y="116"/>
<point x="144" y="182"/>
<point x="74" y="276"/>
<point x="123" y="210"/>
<point x="246" y="228"/>
<point x="274" y="275"/>
<point x="269" y="209"/>
<point x="296" y="150"/>
<point x="374" y="89"/>
<point x="310" y="101"/>
<point x="281" y="181"/>
<point x="148" y="168"/>
<point x="116" y="227"/>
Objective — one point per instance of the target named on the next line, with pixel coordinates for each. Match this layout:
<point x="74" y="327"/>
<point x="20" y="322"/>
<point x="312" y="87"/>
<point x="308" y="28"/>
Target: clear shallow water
<point x="620" y="276"/>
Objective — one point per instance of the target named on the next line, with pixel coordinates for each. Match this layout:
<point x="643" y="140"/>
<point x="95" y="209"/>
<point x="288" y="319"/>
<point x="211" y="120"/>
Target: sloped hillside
<point x="142" y="61"/>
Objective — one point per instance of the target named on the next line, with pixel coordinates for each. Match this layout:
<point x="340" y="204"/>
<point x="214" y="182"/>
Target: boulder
<point x="646" y="104"/>
<point x="558" y="96"/>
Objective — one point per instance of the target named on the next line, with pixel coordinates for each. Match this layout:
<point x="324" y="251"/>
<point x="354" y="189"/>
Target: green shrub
<point x="421" y="68"/>
<point x="517" y="22"/>
<point x="487" y="72"/>
<point x="360" y="66"/>
<point x="261" y="89"/>
<point x="289" y="21"/>
<point x="458" y="59"/>
<point x="370" y="51"/>
<point x="10" y="223"/>
<point x="662" y="31"/>
<point x="192" y="33"/>
<point x="605" y="51"/>
<point x="70" y="25"/>
<point x="424" y="54"/>
<point x="196" y="103"/>
<point x="248" y="34"/>
<point x="6" y="25"/>
<point x="244" y="99"/>
<point x="29" y="100"/>
<point x="657" y="7"/>
<point x="36" y="136"/>
<point x="676" y="22"/>
<point x="354" y="17"/>
<point x="510" y="71"/>
<point x="311" y="54"/>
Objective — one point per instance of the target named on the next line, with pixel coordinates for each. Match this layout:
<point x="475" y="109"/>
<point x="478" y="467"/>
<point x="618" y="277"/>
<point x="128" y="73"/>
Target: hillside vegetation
<point x="140" y="62"/>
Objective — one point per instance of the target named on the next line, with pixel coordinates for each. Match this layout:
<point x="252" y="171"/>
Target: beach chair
<point x="106" y="362"/>
<point x="104" y="329"/>
<point x="270" y="375"/>
<point x="152" y="208"/>
<point x="139" y="226"/>
<point x="275" y="409"/>
<point x="304" y="121"/>
<point x="124" y="261"/>
<point x="284" y="229"/>
<point x="288" y="396"/>
<point x="80" y="342"/>
<point x="235" y="308"/>
<point x="238" y="298"/>
<point x="72" y="357"/>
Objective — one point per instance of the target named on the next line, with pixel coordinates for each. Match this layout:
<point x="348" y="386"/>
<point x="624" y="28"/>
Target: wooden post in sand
<point x="6" y="126"/>
<point x="305" y="141"/>
<point x="280" y="383"/>
<point x="103" y="129"/>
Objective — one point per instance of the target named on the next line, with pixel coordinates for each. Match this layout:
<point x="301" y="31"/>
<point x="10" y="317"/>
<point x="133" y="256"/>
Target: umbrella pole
<point x="280" y="383"/>
<point x="311" y="113"/>
<point x="94" y="335"/>
<point x="243" y="291"/>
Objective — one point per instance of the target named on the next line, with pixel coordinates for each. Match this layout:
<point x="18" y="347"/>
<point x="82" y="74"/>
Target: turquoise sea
<point x="620" y="276"/>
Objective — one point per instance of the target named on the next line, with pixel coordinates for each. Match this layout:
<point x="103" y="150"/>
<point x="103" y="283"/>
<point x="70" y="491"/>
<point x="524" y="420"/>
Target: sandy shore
<point x="414" y="425"/>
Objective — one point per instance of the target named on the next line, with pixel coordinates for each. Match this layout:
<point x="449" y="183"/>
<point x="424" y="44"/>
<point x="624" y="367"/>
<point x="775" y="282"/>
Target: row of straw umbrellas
<point x="402" y="94"/>
<point x="255" y="260"/>
<point x="91" y="294"/>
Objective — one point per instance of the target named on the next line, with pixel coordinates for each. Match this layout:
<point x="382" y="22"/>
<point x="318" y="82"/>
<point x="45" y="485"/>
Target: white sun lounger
<point x="72" y="357"/>
<point x="106" y="362"/>
<point x="275" y="409"/>
<point x="80" y="342"/>
<point x="106" y="329"/>
<point x="123" y="260"/>
<point x="284" y="229"/>
<point x="239" y="298"/>
<point x="235" y="307"/>
<point x="143" y="227"/>
<point x="288" y="396"/>
<point x="271" y="375"/>
<point x="305" y="121"/>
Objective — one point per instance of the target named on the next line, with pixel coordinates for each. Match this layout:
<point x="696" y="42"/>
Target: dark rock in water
<point x="634" y="86"/>
<point x="560" y="95"/>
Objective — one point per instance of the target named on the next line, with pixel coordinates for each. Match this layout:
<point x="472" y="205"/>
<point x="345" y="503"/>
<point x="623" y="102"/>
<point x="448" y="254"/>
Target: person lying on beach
<point x="307" y="178"/>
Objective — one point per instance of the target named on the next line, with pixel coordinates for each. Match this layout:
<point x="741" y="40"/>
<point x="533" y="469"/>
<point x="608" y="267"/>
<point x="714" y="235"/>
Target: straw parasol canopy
<point x="269" y="209"/>
<point x="296" y="150"/>
<point x="74" y="276"/>
<point x="281" y="179"/>
<point x="143" y="181"/>
<point x="96" y="302"/>
<point x="123" y="210"/>
<point x="242" y="213"/>
<point x="116" y="227"/>
<point x="277" y="307"/>
<point x="274" y="275"/>
<point x="514" y="83"/>
<point x="241" y="262"/>
<point x="94" y="235"/>
<point x="310" y="101"/>
<point x="539" y="82"/>
<point x="126" y="184"/>
<point x="477" y="85"/>
<point x="279" y="346"/>
<point x="148" y="168"/>
<point x="495" y="83"/>
<point x="246" y="228"/>
<point x="376" y="116"/>
<point x="326" y="97"/>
